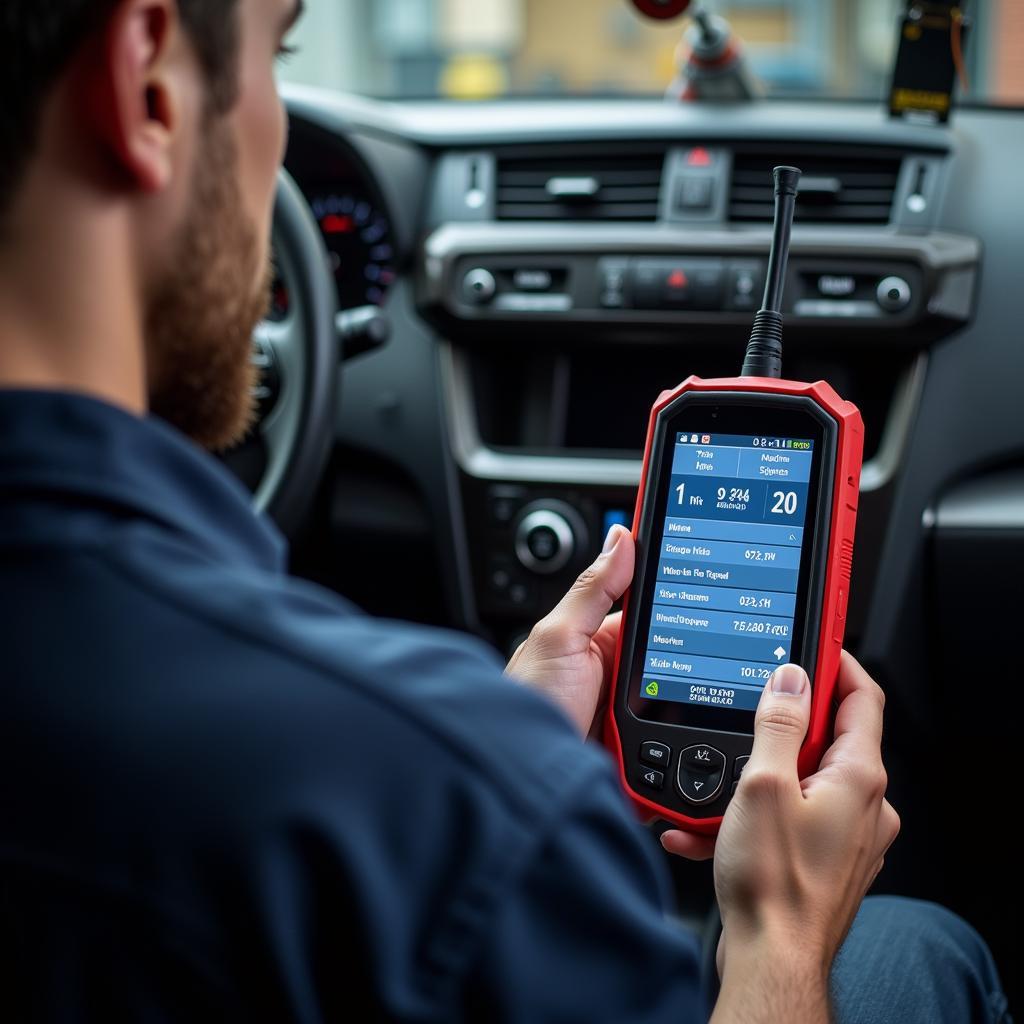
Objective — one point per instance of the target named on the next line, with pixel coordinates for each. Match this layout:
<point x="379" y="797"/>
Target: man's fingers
<point x="688" y="845"/>
<point x="852" y="676"/>
<point x="608" y="636"/>
<point x="610" y="626"/>
<point x="780" y="724"/>
<point x="858" y="726"/>
<point x="581" y="612"/>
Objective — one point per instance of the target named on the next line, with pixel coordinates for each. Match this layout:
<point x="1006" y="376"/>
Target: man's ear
<point x="134" y="98"/>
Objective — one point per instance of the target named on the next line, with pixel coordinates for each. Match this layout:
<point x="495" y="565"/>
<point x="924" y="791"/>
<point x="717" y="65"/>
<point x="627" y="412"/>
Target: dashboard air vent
<point x="834" y="189"/>
<point x="579" y="188"/>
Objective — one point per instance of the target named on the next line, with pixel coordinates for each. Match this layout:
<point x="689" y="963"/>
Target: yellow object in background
<point x="474" y="76"/>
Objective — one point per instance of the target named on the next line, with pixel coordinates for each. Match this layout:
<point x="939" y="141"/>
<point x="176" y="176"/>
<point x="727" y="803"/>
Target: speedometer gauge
<point x="358" y="238"/>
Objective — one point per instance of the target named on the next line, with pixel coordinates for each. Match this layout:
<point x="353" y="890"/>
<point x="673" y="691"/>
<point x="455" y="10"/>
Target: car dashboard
<point x="550" y="267"/>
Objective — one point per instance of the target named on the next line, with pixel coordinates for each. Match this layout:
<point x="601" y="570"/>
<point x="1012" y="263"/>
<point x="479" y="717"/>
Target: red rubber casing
<point x="839" y="563"/>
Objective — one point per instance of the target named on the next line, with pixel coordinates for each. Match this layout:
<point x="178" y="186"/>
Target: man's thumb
<point x="591" y="597"/>
<point x="781" y="720"/>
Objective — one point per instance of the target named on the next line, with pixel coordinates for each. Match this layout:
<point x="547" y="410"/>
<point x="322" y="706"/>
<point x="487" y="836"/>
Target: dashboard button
<point x="707" y="286"/>
<point x="479" y="286"/>
<point x="656" y="754"/>
<point x="503" y="510"/>
<point x="529" y="280"/>
<point x="611" y="274"/>
<point x="743" y="280"/>
<point x="695" y="192"/>
<point x="677" y="284"/>
<point x="661" y="284"/>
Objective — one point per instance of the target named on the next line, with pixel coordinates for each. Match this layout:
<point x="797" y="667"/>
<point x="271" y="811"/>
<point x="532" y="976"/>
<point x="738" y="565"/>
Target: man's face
<point x="213" y="288"/>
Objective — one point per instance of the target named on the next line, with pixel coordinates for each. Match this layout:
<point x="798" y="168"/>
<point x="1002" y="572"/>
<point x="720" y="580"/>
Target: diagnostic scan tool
<point x="744" y="530"/>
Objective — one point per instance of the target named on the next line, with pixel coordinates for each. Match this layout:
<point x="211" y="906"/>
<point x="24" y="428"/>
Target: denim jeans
<point x="907" y="961"/>
<point x="910" y="962"/>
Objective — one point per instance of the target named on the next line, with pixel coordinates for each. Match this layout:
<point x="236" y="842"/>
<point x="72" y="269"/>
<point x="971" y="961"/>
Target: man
<point x="226" y="794"/>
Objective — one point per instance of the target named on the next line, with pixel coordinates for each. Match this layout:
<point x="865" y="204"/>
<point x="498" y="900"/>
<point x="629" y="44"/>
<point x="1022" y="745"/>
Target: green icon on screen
<point x="652" y="689"/>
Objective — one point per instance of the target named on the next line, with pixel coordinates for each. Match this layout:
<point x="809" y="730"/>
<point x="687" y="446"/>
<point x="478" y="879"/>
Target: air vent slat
<point x="859" y="214"/>
<point x="565" y="211"/>
<point x="613" y="194"/>
<point x="876" y="196"/>
<point x="867" y="188"/>
<point x="539" y="179"/>
<point x="853" y="179"/>
<point x="628" y="188"/>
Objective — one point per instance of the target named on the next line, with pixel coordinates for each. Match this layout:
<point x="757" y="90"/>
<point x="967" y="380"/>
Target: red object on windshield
<point x="661" y="9"/>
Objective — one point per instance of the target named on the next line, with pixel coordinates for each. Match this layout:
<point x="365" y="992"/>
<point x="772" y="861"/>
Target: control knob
<point x="479" y="286"/>
<point x="547" y="536"/>
<point x="893" y="294"/>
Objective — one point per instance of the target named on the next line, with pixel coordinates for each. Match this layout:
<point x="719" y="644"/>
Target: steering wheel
<point x="298" y="352"/>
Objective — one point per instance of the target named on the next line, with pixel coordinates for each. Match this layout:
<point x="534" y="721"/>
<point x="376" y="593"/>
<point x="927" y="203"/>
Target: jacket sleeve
<point x="585" y="933"/>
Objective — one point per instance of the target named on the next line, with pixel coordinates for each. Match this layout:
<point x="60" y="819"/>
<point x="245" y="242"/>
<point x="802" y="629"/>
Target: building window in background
<point x="487" y="49"/>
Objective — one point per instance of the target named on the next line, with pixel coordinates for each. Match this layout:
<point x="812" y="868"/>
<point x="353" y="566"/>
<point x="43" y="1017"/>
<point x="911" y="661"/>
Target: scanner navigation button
<point x="700" y="774"/>
<point x="701" y="757"/>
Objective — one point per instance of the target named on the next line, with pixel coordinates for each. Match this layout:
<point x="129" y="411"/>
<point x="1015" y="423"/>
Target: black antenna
<point x="764" y="350"/>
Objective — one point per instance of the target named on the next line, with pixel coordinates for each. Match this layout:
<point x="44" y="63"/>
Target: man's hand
<point x="569" y="653"/>
<point x="794" y="858"/>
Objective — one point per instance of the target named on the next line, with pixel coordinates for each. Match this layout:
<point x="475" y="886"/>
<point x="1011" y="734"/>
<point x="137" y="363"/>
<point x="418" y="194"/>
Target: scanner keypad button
<point x="657" y="755"/>
<point x="701" y="757"/>
<point x="700" y="774"/>
<point x="653" y="778"/>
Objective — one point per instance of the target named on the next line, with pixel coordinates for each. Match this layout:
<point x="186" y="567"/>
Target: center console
<point x="561" y="323"/>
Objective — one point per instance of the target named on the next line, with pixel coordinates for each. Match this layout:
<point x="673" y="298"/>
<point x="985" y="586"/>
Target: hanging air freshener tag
<point x="930" y="58"/>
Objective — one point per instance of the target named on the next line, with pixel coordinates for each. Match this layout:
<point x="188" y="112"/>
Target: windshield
<point x="487" y="49"/>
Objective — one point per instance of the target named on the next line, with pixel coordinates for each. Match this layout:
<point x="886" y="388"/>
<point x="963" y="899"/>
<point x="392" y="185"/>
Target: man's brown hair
<point x="38" y="39"/>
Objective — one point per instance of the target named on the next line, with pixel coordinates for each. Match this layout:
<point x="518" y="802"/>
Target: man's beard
<point x="201" y="313"/>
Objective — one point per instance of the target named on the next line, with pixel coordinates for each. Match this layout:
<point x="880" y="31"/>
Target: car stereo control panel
<point x="474" y="273"/>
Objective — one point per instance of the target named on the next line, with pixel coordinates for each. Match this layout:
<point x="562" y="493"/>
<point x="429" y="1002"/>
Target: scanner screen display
<point x="731" y="539"/>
